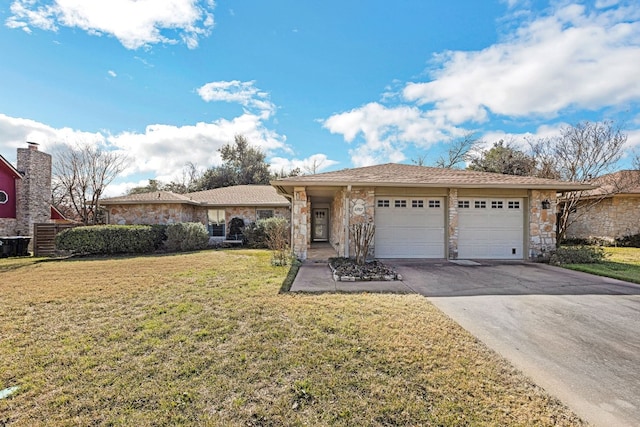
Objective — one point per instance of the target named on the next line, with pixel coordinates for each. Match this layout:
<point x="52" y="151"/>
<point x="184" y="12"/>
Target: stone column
<point x="453" y="223"/>
<point x="542" y="224"/>
<point x="300" y="222"/>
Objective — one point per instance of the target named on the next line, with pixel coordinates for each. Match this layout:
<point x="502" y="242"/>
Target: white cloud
<point x="135" y="23"/>
<point x="112" y="73"/>
<point x="574" y="58"/>
<point x="243" y="93"/>
<point x="161" y="151"/>
<point x="316" y="162"/>
<point x="388" y="130"/>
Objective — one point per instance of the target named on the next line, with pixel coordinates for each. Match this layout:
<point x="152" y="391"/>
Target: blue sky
<point x="335" y="84"/>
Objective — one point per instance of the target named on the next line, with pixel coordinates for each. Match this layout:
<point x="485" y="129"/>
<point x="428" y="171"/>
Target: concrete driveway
<point x="574" y="334"/>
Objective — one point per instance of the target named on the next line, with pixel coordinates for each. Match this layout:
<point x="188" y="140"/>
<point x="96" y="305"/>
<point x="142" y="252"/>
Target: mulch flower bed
<point x="346" y="270"/>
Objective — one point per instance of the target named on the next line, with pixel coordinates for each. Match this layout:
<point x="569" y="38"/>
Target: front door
<point x="320" y="224"/>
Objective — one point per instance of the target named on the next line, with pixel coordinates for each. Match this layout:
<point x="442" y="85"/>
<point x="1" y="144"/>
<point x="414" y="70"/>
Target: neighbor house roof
<point x="401" y="175"/>
<point x="150" y="197"/>
<point x="624" y="182"/>
<point x="239" y="195"/>
<point x="13" y="171"/>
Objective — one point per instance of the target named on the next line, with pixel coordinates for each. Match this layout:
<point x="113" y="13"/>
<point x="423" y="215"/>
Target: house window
<point x="513" y="204"/>
<point x="463" y="204"/>
<point x="496" y="204"/>
<point x="434" y="203"/>
<point x="400" y="203"/>
<point x="4" y="198"/>
<point x="417" y="203"/>
<point x="264" y="213"/>
<point x="216" y="218"/>
<point x="480" y="204"/>
<point x="383" y="203"/>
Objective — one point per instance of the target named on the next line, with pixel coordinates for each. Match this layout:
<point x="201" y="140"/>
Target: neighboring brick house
<point x="609" y="212"/>
<point x="214" y="208"/>
<point x="25" y="192"/>
<point x="423" y="212"/>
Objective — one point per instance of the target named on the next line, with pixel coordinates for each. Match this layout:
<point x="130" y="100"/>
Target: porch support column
<point x="453" y="223"/>
<point x="300" y="222"/>
<point x="542" y="224"/>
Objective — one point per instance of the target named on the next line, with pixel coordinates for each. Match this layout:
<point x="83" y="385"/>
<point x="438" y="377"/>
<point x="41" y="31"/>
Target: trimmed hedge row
<point x="107" y="239"/>
<point x="122" y="239"/>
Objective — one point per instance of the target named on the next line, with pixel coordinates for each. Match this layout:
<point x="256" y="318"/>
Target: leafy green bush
<point x="107" y="239"/>
<point x="577" y="255"/>
<point x="186" y="236"/>
<point x="630" y="241"/>
<point x="159" y="234"/>
<point x="255" y="235"/>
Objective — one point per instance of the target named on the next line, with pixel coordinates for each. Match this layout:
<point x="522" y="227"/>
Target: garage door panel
<point x="410" y="232"/>
<point x="491" y="232"/>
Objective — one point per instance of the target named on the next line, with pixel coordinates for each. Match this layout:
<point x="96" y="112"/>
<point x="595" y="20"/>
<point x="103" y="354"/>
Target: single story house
<point x="25" y="192"/>
<point x="610" y="211"/>
<point x="425" y="212"/>
<point x="214" y="208"/>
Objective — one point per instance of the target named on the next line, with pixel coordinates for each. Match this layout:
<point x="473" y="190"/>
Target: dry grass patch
<point x="205" y="339"/>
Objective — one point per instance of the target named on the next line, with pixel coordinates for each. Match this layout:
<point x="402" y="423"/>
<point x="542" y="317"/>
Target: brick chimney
<point x="34" y="189"/>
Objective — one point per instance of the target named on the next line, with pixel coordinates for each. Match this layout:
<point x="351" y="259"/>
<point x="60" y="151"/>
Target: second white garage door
<point x="409" y="227"/>
<point x="490" y="228"/>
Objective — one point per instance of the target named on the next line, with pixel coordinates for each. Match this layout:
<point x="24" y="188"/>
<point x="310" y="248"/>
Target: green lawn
<point x="206" y="339"/>
<point x="620" y="263"/>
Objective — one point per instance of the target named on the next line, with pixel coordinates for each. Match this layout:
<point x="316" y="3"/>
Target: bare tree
<point x="459" y="151"/>
<point x="581" y="153"/>
<point x="81" y="173"/>
<point x="314" y="165"/>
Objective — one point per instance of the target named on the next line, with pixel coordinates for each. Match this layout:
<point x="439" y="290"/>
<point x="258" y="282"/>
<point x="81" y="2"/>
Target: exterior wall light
<point x="546" y="204"/>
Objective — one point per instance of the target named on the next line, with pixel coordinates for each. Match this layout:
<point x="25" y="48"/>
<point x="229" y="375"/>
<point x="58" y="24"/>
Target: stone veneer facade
<point x="33" y="190"/>
<point x="300" y="220"/>
<point x="540" y="230"/>
<point x="453" y="223"/>
<point x="171" y="213"/>
<point x="542" y="224"/>
<point x="8" y="226"/>
<point x="609" y="219"/>
<point x="157" y="213"/>
<point x="368" y="196"/>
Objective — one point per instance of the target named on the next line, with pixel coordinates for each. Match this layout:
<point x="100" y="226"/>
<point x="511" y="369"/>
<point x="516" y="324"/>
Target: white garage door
<point x="409" y="227"/>
<point x="490" y="228"/>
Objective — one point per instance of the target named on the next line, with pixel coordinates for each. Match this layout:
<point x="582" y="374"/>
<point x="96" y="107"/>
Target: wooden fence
<point x="44" y="236"/>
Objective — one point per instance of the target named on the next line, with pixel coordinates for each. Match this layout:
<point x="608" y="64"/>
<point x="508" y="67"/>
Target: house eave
<point x="288" y="188"/>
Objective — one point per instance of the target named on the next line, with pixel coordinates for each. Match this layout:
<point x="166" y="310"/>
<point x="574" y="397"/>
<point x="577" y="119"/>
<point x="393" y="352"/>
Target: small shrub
<point x="277" y="239"/>
<point x="107" y="239"/>
<point x="577" y="255"/>
<point x="255" y="235"/>
<point x="186" y="236"/>
<point x="630" y="241"/>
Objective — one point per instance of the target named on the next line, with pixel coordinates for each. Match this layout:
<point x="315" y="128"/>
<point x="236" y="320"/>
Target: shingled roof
<point x="239" y="195"/>
<point x="624" y="182"/>
<point x="150" y="197"/>
<point x="401" y="175"/>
